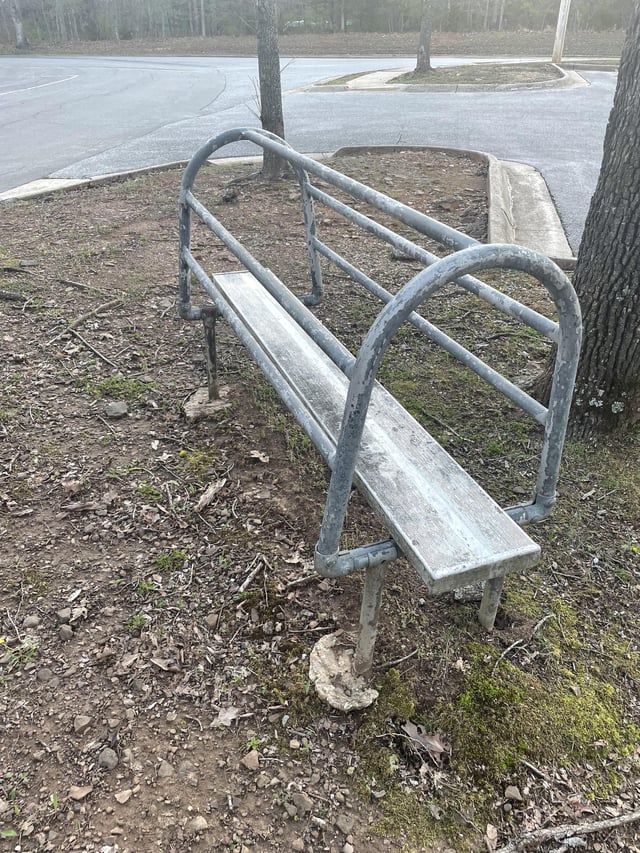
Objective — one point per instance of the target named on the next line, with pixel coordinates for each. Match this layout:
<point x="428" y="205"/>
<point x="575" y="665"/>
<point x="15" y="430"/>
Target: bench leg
<point x="369" y="611"/>
<point x="490" y="602"/>
<point x="209" y="316"/>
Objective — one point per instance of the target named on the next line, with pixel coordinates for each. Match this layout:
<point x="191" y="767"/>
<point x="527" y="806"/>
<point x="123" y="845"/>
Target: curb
<point x="520" y="208"/>
<point x="378" y="81"/>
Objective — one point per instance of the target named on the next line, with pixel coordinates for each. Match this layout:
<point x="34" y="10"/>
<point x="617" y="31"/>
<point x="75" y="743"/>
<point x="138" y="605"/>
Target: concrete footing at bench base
<point x="331" y="671"/>
<point x="198" y="406"/>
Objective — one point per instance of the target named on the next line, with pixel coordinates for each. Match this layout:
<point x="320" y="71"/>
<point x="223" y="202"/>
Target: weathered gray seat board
<point x="449" y="528"/>
<point x="437" y="515"/>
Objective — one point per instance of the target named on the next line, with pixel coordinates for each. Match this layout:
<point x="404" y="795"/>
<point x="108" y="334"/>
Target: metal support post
<point x="490" y="602"/>
<point x="369" y="612"/>
<point x="209" y="316"/>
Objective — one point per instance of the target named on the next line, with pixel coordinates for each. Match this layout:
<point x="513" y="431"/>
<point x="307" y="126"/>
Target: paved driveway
<point x="83" y="116"/>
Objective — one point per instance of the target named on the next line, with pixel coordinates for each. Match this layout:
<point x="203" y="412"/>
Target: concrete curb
<point x="520" y="207"/>
<point x="378" y="81"/>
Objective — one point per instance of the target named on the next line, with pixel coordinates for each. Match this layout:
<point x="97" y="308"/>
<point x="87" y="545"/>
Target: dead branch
<point x="391" y="663"/>
<point x="12" y="296"/>
<point x="93" y="349"/>
<point x="540" y="836"/>
<point x="80" y="320"/>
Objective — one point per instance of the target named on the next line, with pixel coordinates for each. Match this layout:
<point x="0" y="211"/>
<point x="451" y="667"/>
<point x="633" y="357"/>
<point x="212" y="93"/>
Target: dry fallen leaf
<point x="226" y="716"/>
<point x="431" y="743"/>
<point x="209" y="494"/>
<point x="491" y="838"/>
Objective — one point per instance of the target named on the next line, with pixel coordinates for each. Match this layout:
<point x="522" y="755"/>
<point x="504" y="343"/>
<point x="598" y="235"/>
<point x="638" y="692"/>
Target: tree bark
<point x="22" y="42"/>
<point x="607" y="276"/>
<point x="271" y="115"/>
<point x="423" y="64"/>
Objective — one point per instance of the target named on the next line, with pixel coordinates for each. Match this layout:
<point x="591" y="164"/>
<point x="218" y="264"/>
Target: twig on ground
<point x="80" y="285"/>
<point x="93" y="349"/>
<point x="305" y="579"/>
<point x="260" y="565"/>
<point x="80" y="320"/>
<point x="391" y="663"/>
<point x="536" y="770"/>
<point x="541" y="836"/>
<point x="504" y="654"/>
<point x="539" y="624"/>
<point x="107" y="424"/>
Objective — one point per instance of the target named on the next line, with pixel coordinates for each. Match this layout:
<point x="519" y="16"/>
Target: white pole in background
<point x="561" y="31"/>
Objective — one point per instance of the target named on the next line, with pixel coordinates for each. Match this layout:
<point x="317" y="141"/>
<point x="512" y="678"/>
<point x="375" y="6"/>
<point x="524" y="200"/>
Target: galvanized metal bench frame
<point x="469" y="257"/>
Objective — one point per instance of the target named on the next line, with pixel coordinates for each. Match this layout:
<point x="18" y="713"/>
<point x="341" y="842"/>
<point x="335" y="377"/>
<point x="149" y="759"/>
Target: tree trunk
<point x="607" y="276"/>
<point x="22" y="42"/>
<point x="271" y="115"/>
<point x="423" y="64"/>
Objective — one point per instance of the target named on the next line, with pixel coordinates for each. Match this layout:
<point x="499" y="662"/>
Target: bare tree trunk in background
<point x="607" y="276"/>
<point x="271" y="115"/>
<point x="15" y="13"/>
<point x="423" y="64"/>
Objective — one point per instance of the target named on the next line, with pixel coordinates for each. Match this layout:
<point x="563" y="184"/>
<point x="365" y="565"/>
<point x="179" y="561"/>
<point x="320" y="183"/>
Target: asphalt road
<point x="85" y="116"/>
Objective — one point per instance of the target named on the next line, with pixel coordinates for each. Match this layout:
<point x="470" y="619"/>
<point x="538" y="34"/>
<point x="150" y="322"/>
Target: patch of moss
<point x="504" y="716"/>
<point x="199" y="464"/>
<point x="118" y="388"/>
<point x="520" y="601"/>
<point x="171" y="562"/>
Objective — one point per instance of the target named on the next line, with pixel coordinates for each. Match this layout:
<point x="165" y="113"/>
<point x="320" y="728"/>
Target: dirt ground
<point x="159" y="605"/>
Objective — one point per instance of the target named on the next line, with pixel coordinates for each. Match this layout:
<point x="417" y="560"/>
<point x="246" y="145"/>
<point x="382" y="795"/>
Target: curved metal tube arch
<point x="392" y="316"/>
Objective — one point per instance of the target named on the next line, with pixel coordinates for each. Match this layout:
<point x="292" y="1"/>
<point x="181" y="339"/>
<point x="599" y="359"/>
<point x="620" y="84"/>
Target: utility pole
<point x="561" y="31"/>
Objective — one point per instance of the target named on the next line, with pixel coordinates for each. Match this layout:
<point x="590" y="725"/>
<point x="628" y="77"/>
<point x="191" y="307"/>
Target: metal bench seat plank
<point x="446" y="525"/>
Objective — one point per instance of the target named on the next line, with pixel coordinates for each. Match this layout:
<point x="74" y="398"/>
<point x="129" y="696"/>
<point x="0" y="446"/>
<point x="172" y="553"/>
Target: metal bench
<point x="438" y="517"/>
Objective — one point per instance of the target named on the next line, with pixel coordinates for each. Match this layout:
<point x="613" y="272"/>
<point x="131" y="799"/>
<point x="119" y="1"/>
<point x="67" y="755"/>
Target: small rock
<point x="81" y="723"/>
<point x="196" y="824"/>
<point x="298" y="845"/>
<point x="345" y="822"/>
<point x="512" y="793"/>
<point x="302" y="802"/>
<point x="5" y="806"/>
<point x="294" y="744"/>
<point x="348" y="848"/>
<point x="116" y="409"/>
<point x="263" y="780"/>
<point x="45" y="674"/>
<point x="65" y="632"/>
<point x="212" y="620"/>
<point x="290" y="809"/>
<point x="31" y="621"/>
<point x="63" y="615"/>
<point x="79" y="792"/>
<point x="165" y="770"/>
<point x="251" y="760"/>
<point x="108" y="758"/>
<point x="123" y="797"/>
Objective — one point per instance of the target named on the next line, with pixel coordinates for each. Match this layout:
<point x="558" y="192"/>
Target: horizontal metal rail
<point x="275" y="377"/>
<point x="420" y="222"/>
<point x="336" y="351"/>
<point x="532" y="407"/>
<point x="478" y="288"/>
